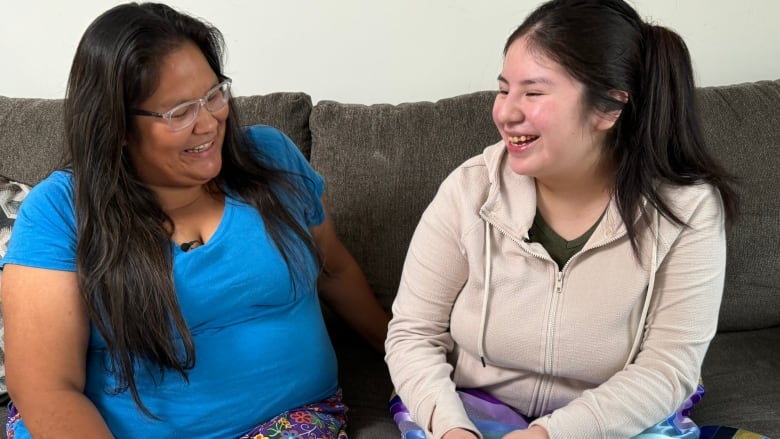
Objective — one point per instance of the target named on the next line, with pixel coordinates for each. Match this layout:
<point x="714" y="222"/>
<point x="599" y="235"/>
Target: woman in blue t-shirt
<point x="166" y="282"/>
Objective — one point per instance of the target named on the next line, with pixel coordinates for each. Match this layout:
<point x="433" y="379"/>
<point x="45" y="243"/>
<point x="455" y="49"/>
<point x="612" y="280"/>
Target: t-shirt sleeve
<point x="44" y="233"/>
<point x="280" y="152"/>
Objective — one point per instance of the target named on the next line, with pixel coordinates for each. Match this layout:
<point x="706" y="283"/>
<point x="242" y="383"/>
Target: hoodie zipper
<point x="552" y="313"/>
<point x="546" y="381"/>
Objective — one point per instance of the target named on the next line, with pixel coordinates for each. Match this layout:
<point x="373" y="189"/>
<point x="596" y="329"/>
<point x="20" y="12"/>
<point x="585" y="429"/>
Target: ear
<point x="607" y="119"/>
<point x="619" y="95"/>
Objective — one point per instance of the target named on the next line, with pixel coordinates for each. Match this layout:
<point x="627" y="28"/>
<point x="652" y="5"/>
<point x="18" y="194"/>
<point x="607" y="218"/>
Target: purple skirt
<point x="494" y="419"/>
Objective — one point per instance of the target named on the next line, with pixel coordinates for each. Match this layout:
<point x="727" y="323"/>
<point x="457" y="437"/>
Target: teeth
<point x="521" y="139"/>
<point x="200" y="148"/>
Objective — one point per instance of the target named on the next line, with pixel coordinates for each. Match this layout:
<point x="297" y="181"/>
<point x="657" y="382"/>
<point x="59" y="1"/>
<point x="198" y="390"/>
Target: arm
<point x="681" y="322"/>
<point x="419" y="338"/>
<point x="345" y="289"/>
<point x="46" y="337"/>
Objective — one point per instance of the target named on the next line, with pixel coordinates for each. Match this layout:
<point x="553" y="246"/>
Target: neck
<point x="179" y="199"/>
<point x="570" y="207"/>
<point x="594" y="175"/>
<point x="576" y="192"/>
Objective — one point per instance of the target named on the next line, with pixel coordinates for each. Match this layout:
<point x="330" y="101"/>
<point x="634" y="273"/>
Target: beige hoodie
<point x="565" y="346"/>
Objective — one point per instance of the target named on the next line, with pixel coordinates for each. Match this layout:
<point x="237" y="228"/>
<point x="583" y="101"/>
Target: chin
<point x="207" y="177"/>
<point x="520" y="166"/>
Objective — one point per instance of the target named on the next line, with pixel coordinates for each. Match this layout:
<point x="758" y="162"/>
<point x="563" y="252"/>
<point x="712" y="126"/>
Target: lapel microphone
<point x="187" y="246"/>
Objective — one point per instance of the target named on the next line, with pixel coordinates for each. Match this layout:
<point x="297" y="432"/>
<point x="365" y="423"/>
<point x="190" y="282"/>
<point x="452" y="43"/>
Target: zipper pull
<point x="559" y="284"/>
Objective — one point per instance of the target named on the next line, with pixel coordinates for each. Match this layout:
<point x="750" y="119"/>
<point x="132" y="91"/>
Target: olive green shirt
<point x="560" y="250"/>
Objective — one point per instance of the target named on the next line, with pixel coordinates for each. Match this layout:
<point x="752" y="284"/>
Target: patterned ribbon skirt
<point x="494" y="419"/>
<point x="325" y="419"/>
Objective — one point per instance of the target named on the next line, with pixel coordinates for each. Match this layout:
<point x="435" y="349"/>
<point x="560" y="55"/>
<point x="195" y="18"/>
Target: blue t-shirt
<point x="261" y="348"/>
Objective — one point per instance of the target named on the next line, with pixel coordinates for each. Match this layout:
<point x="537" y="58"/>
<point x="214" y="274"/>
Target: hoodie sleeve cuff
<point x="570" y="422"/>
<point x="449" y="413"/>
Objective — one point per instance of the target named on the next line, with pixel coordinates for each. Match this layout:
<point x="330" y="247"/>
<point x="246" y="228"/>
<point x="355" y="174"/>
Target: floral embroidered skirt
<point x="320" y="420"/>
<point x="325" y="419"/>
<point x="494" y="419"/>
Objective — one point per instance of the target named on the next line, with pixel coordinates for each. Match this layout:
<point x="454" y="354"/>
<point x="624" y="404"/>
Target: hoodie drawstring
<point x="483" y="319"/>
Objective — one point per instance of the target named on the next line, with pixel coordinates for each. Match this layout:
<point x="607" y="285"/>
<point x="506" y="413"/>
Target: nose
<point x="205" y="121"/>
<point x="507" y="111"/>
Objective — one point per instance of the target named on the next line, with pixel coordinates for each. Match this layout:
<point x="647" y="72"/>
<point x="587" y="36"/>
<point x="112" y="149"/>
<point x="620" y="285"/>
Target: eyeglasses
<point x="185" y="114"/>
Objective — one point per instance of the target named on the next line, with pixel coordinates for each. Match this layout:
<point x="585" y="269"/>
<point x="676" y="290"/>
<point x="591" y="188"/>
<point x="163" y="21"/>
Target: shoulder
<point x="44" y="233"/>
<point x="277" y="151"/>
<point x="474" y="177"/>
<point x="49" y="205"/>
<point x="462" y="194"/>
<point x="271" y="141"/>
<point x="275" y="148"/>
<point x="56" y="190"/>
<point x="476" y="169"/>
<point x="260" y="134"/>
<point x="696" y="200"/>
<point x="698" y="206"/>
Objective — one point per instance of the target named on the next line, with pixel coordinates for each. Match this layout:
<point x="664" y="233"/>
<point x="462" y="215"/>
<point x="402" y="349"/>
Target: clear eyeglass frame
<point x="185" y="114"/>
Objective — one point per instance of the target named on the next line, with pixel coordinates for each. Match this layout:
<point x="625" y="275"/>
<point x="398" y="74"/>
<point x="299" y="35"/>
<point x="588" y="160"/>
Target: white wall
<point x="366" y="51"/>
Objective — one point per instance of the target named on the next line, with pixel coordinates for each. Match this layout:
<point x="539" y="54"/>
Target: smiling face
<point x="539" y="111"/>
<point x="190" y="157"/>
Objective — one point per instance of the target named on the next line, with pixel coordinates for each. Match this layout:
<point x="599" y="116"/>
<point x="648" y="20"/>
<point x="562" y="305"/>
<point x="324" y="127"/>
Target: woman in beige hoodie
<point x="574" y="270"/>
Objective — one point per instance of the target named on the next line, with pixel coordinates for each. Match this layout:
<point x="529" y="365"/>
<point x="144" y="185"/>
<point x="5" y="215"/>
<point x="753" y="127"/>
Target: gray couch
<point x="383" y="164"/>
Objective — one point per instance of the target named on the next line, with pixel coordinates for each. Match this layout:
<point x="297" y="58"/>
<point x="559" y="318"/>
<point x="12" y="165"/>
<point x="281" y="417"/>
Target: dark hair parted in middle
<point x="606" y="46"/>
<point x="124" y="258"/>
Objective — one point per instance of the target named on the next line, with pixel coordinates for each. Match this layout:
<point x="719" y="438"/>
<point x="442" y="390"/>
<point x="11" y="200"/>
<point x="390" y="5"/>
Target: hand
<point x="534" y="432"/>
<point x="459" y="433"/>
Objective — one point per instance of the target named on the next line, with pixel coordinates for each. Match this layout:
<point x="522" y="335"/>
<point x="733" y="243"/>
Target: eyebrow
<point x="525" y="82"/>
<point x="186" y="101"/>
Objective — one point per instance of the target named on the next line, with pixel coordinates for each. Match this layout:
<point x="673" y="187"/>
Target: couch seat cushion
<point x="741" y="382"/>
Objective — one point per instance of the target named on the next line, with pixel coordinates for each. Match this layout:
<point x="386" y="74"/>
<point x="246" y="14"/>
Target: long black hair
<point x="605" y="45"/>
<point x="128" y="289"/>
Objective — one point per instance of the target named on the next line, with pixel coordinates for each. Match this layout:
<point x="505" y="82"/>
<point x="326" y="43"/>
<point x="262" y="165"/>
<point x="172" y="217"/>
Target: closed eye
<point x="182" y="110"/>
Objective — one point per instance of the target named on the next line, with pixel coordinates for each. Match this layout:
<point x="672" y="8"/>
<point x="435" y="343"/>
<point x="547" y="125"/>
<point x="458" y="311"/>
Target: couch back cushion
<point x="383" y="164"/>
<point x="742" y="126"/>
<point x="287" y="111"/>
<point x="31" y="130"/>
<point x="31" y="140"/>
